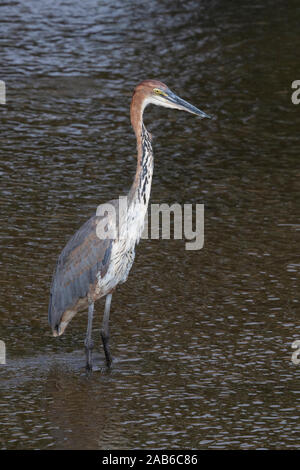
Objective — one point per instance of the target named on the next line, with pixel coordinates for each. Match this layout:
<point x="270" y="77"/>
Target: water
<point x="201" y="340"/>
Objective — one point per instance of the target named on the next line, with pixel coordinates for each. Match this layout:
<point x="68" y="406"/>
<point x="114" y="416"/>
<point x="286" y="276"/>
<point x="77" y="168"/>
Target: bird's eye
<point x="157" y="91"/>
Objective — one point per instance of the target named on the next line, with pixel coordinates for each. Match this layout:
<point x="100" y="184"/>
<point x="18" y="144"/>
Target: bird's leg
<point x="88" y="343"/>
<point x="105" y="330"/>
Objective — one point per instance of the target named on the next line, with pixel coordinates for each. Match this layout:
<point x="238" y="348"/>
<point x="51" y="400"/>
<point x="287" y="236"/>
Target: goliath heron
<point x="90" y="267"/>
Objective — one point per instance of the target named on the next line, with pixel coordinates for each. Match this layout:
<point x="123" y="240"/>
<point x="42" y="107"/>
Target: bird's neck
<point x="139" y="193"/>
<point x="140" y="189"/>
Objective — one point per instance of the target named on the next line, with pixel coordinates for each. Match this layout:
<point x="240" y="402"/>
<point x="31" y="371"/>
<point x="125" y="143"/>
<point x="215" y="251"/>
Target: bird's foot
<point x="89" y="344"/>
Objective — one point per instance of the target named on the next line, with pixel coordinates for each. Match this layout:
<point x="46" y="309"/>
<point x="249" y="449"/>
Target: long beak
<point x="173" y="101"/>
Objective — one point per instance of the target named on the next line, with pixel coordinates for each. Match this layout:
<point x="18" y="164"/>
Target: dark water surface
<point x="201" y="339"/>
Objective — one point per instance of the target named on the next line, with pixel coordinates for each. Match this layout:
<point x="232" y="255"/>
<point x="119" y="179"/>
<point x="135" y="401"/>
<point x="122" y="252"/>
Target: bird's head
<point x="155" y="92"/>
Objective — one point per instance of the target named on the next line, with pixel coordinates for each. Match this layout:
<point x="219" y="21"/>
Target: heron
<point x="91" y="266"/>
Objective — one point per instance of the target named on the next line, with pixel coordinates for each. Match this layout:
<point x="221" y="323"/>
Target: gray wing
<point x="84" y="256"/>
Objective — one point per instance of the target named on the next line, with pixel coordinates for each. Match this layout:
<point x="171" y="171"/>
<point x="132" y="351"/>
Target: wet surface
<point x="201" y="339"/>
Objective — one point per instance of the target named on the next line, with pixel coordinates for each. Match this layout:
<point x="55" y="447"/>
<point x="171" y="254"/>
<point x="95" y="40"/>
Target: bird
<point x="99" y="256"/>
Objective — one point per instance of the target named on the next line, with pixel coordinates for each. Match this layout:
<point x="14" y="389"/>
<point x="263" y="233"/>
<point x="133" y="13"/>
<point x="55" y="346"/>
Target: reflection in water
<point x="79" y="416"/>
<point x="201" y="340"/>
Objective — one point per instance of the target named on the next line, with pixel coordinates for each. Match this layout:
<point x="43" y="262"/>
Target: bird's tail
<point x="54" y="318"/>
